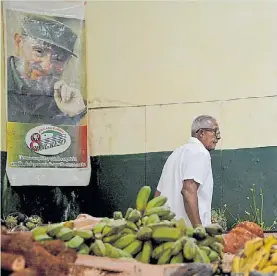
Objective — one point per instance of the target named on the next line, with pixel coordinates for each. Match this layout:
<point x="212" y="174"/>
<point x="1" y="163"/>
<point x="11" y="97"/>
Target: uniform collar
<point x="194" y="140"/>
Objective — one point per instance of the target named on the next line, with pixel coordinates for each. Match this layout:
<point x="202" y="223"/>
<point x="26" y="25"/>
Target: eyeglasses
<point x="214" y="130"/>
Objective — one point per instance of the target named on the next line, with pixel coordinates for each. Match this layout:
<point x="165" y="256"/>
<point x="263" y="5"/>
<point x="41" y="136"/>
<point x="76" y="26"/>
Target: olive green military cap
<point x="50" y="31"/>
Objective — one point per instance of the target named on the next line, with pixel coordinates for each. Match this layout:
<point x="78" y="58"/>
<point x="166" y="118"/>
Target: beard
<point x="43" y="85"/>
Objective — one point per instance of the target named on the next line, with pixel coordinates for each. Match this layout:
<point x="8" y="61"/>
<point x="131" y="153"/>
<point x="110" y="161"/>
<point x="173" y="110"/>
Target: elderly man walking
<point x="187" y="179"/>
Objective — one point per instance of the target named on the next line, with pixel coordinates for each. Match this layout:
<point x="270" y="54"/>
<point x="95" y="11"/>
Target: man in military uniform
<point x="36" y="91"/>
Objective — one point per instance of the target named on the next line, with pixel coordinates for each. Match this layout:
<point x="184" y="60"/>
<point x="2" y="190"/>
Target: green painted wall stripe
<point x="116" y="180"/>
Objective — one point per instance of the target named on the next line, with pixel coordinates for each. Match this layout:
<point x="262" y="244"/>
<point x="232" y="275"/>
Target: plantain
<point x="178" y="246"/>
<point x="65" y="234"/>
<point x="178" y="259"/>
<point x="98" y="248"/>
<point x="42" y="237"/>
<point x="134" y="247"/>
<point x="201" y="256"/>
<point x="69" y="224"/>
<point x="142" y="198"/>
<point x="199" y="233"/>
<point x="83" y="233"/>
<point x="236" y="264"/>
<point x="154" y="218"/>
<point x="181" y="224"/>
<point x="218" y="247"/>
<point x="273" y="259"/>
<point x="98" y="228"/>
<point x="126" y="231"/>
<point x="124" y="241"/>
<point x="117" y="215"/>
<point x="134" y="216"/>
<point x="144" y="220"/>
<point x="265" y="255"/>
<point x="131" y="225"/>
<point x="160" y="211"/>
<point x="156" y="253"/>
<point x="75" y="242"/>
<point x="146" y="252"/>
<point x="164" y="223"/>
<point x="144" y="233"/>
<point x="138" y="223"/>
<point x="138" y="256"/>
<point x="214" y="256"/>
<point x="112" y="238"/>
<point x="189" y="231"/>
<point x="168" y="216"/>
<point x="268" y="269"/>
<point x="214" y="229"/>
<point x="156" y="202"/>
<point x="84" y="249"/>
<point x="128" y="212"/>
<point x="39" y="230"/>
<point x="252" y="245"/>
<point x="207" y="249"/>
<point x="189" y="249"/>
<point x="111" y="251"/>
<point x="54" y="229"/>
<point x="164" y="233"/>
<point x="165" y="257"/>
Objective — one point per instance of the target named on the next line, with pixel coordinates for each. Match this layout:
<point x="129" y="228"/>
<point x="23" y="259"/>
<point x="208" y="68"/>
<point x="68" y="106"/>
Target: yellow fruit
<point x="272" y="268"/>
<point x="128" y="212"/>
<point x="178" y="259"/>
<point x="111" y="251"/>
<point x="75" y="242"/>
<point x="201" y="256"/>
<point x="146" y="252"/>
<point x="142" y="198"/>
<point x="156" y="202"/>
<point x="134" y="216"/>
<point x="117" y="215"/>
<point x="189" y="250"/>
<point x="98" y="248"/>
<point x="134" y="247"/>
<point x="160" y="211"/>
<point x="42" y="237"/>
<point x="112" y="238"/>
<point x="83" y="233"/>
<point x="131" y="225"/>
<point x="156" y="253"/>
<point x="165" y="257"/>
<point x="213" y="256"/>
<point x="154" y="218"/>
<point x="144" y="233"/>
<point x="178" y="246"/>
<point x="214" y="229"/>
<point x="65" y="234"/>
<point x="236" y="264"/>
<point x="54" y="229"/>
<point x="252" y="246"/>
<point x="124" y="241"/>
<point x="164" y="233"/>
<point x="84" y="249"/>
<point x="273" y="259"/>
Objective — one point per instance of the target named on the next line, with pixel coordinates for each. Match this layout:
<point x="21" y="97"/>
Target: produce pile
<point x="20" y="222"/>
<point x="238" y="236"/>
<point x="258" y="256"/>
<point x="148" y="233"/>
<point x="22" y="256"/>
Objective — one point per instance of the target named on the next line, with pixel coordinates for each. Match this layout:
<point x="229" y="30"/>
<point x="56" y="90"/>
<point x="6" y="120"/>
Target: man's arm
<point x="157" y="193"/>
<point x="189" y="192"/>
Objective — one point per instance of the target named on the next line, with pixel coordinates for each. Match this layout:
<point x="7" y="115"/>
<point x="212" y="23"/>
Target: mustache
<point x="52" y="71"/>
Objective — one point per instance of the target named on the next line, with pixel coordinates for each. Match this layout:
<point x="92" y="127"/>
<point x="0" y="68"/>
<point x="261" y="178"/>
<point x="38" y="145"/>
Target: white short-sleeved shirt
<point x="190" y="161"/>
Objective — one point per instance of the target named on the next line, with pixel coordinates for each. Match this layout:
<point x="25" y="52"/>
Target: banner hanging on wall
<point x="46" y="93"/>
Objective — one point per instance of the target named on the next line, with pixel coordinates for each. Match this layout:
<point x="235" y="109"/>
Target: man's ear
<point x="17" y="40"/>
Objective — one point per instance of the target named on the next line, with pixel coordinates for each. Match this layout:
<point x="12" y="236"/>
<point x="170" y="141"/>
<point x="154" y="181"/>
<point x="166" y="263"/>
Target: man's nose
<point x="46" y="63"/>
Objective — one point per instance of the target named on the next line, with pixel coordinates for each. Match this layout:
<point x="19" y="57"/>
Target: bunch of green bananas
<point x="148" y="233"/>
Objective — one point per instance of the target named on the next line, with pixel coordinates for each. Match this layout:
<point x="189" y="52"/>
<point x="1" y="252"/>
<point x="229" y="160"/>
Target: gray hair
<point x="202" y="121"/>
